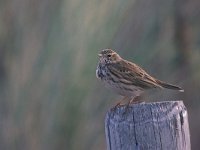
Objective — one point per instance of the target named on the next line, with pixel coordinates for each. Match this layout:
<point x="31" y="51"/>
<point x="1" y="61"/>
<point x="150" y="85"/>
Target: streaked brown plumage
<point x="125" y="77"/>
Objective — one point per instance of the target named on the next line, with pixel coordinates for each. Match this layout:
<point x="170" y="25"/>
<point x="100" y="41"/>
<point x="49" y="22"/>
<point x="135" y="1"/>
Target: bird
<point x="126" y="78"/>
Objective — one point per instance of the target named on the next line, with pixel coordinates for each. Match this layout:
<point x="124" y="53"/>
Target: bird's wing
<point x="133" y="73"/>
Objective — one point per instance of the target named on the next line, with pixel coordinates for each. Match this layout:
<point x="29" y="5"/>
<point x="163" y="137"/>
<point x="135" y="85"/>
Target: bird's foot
<point x="136" y="100"/>
<point x="118" y="104"/>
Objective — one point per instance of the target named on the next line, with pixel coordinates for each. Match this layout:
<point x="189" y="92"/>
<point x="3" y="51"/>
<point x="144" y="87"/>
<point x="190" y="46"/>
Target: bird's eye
<point x="109" y="55"/>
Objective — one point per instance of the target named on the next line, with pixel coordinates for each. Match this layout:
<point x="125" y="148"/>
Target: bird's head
<point x="108" y="56"/>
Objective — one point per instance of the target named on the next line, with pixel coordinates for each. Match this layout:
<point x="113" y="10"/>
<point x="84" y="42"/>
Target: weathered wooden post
<point x="148" y="126"/>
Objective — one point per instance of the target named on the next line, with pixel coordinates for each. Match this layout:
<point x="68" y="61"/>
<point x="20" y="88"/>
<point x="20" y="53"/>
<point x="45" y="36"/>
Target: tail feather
<point x="169" y="86"/>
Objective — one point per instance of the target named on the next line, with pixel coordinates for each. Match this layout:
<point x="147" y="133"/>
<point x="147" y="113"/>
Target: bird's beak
<point x="100" y="55"/>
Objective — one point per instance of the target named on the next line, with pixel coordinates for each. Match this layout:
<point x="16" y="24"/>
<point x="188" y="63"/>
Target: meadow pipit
<point x="125" y="77"/>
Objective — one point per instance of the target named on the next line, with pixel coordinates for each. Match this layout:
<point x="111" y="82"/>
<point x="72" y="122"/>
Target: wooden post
<point x="148" y="126"/>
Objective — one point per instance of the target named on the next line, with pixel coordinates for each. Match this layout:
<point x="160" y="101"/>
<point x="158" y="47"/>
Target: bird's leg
<point x="135" y="100"/>
<point x="119" y="103"/>
<point x="127" y="105"/>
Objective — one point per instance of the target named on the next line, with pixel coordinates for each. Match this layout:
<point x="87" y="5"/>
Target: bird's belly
<point x="124" y="90"/>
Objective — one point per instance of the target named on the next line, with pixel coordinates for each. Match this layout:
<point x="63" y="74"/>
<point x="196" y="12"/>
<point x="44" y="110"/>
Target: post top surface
<point x="146" y="112"/>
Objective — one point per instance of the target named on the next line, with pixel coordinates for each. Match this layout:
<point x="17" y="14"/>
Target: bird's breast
<point x="101" y="72"/>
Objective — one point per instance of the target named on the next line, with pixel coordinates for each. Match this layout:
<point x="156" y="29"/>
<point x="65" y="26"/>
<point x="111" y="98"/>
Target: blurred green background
<point x="50" y="98"/>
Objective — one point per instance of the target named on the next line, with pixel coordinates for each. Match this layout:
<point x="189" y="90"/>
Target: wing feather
<point x="133" y="73"/>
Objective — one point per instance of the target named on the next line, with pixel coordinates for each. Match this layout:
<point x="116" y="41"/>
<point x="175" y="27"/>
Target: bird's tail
<point x="169" y="86"/>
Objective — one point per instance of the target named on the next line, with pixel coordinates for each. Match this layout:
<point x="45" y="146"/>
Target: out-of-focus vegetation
<point x="50" y="98"/>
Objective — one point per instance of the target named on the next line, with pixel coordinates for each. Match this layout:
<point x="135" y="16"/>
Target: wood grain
<point x="148" y="126"/>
